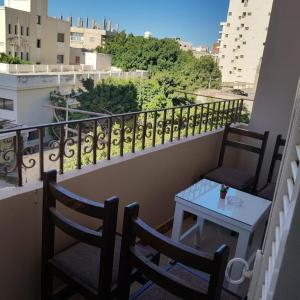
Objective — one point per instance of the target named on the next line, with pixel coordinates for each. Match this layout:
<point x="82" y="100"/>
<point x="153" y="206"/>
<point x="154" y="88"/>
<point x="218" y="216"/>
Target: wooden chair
<point x="232" y="176"/>
<point x="267" y="191"/>
<point x="180" y="280"/>
<point x="89" y="266"/>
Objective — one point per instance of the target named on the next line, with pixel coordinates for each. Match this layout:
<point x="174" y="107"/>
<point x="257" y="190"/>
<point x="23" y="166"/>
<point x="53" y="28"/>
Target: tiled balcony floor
<point x="213" y="236"/>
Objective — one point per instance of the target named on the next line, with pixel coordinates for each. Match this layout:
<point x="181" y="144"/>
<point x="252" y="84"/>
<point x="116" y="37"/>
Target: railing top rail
<point x="35" y="127"/>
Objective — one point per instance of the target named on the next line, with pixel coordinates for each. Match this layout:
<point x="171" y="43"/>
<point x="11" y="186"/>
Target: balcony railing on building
<point x="71" y="145"/>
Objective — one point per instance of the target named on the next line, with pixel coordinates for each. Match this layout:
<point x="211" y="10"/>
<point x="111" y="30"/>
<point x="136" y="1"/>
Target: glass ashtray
<point x="235" y="201"/>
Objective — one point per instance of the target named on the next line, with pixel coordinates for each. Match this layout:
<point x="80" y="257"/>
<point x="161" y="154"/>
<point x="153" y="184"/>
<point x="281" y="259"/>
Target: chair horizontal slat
<point x="164" y="279"/>
<point x="177" y="251"/>
<point x="242" y="146"/>
<point x="80" y="204"/>
<point x="79" y="232"/>
<point x="247" y="133"/>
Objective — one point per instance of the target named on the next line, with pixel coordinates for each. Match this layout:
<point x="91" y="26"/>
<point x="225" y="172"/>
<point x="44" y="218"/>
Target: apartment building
<point x="242" y="40"/>
<point x="27" y="32"/>
<point x="89" y="36"/>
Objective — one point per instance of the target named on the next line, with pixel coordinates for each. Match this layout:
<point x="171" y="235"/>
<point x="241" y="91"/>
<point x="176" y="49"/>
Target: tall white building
<point x="26" y="31"/>
<point x="242" y="40"/>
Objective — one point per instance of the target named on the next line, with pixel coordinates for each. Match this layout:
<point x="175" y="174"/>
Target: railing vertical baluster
<point x="133" y="133"/>
<point x="212" y="117"/>
<point x="241" y="110"/>
<point x="218" y="115"/>
<point x="164" y="124"/>
<point x="228" y="111"/>
<point x="236" y="111"/>
<point x="154" y="129"/>
<point x="122" y="133"/>
<point x="201" y="119"/>
<point x="19" y="154"/>
<point x="223" y="113"/>
<point x="207" y="117"/>
<point x="172" y="125"/>
<point x="95" y="140"/>
<point x="188" y="122"/>
<point x="180" y="123"/>
<point x="144" y="131"/>
<point x="194" y="120"/>
<point x="61" y="149"/>
<point x="41" y="151"/>
<point x="110" y="125"/>
<point x="79" y="137"/>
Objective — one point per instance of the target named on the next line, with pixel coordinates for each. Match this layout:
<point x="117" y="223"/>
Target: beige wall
<point x="47" y="32"/>
<point x="242" y="40"/>
<point x="151" y="177"/>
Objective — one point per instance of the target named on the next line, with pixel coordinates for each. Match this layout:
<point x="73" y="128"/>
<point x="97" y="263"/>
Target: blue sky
<point x="192" y="20"/>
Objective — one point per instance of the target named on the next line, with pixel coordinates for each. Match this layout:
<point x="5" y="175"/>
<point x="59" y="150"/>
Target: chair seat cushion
<point x="231" y="177"/>
<point x="195" y="279"/>
<point x="81" y="261"/>
<point x="268" y="191"/>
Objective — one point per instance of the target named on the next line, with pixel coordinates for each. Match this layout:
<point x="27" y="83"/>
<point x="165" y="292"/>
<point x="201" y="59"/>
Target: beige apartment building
<point x="27" y="32"/>
<point x="242" y="41"/>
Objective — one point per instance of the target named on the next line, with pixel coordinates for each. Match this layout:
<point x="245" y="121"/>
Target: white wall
<point x="99" y="61"/>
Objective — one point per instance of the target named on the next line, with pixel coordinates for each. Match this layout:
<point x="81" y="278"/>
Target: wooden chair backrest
<point x="134" y="227"/>
<point x="52" y="217"/>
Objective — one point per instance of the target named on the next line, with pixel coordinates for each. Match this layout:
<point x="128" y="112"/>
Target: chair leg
<point x="47" y="285"/>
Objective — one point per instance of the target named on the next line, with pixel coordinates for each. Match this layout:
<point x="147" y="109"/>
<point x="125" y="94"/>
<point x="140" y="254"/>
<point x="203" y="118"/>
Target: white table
<point x="203" y="200"/>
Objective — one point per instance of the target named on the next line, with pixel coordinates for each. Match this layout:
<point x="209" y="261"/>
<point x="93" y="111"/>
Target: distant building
<point x="147" y="35"/>
<point x="90" y="36"/>
<point x="215" y="49"/>
<point x="200" y="51"/>
<point x="185" y="46"/>
<point x="242" y="40"/>
<point x="27" y="32"/>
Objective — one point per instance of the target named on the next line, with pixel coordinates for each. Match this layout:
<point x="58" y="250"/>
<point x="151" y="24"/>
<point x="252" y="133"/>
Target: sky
<point x="196" y="21"/>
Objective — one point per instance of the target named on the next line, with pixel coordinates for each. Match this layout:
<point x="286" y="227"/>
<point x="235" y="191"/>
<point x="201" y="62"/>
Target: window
<point x="225" y="46"/>
<point x="16" y="29"/>
<point x="239" y="70"/>
<point x="241" y="35"/>
<point x="241" y="56"/>
<point x="249" y="14"/>
<point x="38" y="43"/>
<point x="228" y="24"/>
<point x="38" y="20"/>
<point x="242" y="25"/>
<point x="223" y="56"/>
<point x="27" y="31"/>
<point x="230" y="13"/>
<point x="27" y="56"/>
<point x="60" y="59"/>
<point x="61" y="37"/>
<point x="244" y="43"/>
<point x="77" y="60"/>
<point x="247" y="28"/>
<point x="21" y="54"/>
<point x="239" y="47"/>
<point x="226" y="35"/>
<point x="9" y="28"/>
<point x="9" y="52"/>
<point x="230" y="72"/>
<point x="76" y="37"/>
<point x="244" y="14"/>
<point x="22" y="30"/>
<point x="16" y="54"/>
<point x="6" y="104"/>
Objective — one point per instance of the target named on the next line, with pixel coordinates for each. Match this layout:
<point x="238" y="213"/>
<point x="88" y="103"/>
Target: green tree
<point x="8" y="59"/>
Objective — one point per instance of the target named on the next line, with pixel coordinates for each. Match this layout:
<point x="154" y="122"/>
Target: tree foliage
<point x="164" y="56"/>
<point x="8" y="59"/>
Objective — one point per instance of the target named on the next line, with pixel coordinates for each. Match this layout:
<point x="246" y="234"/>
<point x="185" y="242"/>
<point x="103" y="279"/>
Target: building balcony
<point x="146" y="157"/>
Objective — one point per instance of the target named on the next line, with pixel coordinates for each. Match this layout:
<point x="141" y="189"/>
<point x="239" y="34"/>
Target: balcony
<point x="145" y="156"/>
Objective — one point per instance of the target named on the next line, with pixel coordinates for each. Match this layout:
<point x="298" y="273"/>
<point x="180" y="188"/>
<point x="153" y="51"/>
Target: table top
<point x="238" y="206"/>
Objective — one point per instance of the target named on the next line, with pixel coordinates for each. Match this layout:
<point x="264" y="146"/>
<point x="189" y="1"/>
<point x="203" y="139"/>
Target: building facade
<point x="242" y="40"/>
<point x="27" y="32"/>
<point x="89" y="37"/>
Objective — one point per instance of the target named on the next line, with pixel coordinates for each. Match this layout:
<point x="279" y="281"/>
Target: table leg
<point x="200" y="224"/>
<point x="177" y="223"/>
<point x="241" y="252"/>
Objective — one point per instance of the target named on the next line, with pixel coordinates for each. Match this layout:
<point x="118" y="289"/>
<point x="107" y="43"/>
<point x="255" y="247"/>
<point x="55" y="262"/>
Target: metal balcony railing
<point x="74" y="144"/>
